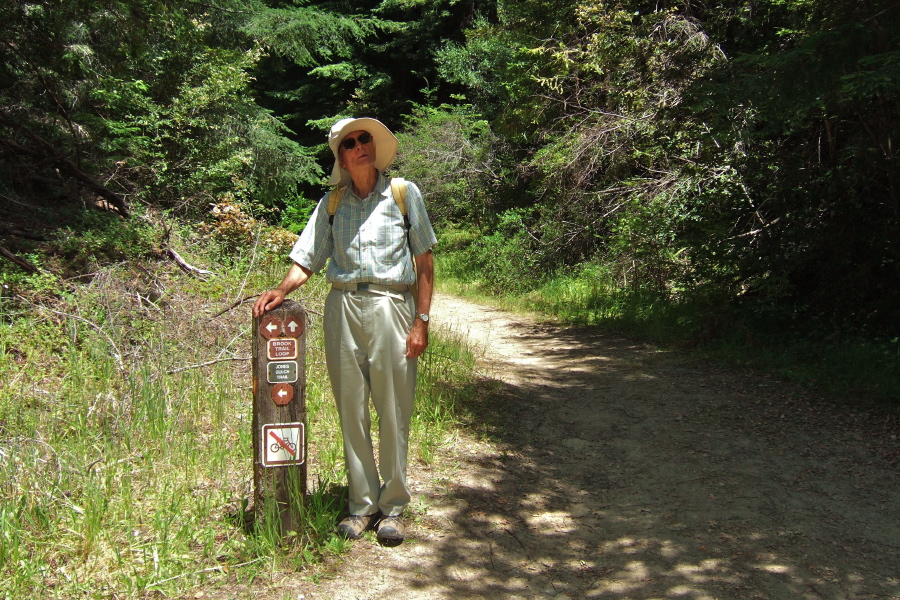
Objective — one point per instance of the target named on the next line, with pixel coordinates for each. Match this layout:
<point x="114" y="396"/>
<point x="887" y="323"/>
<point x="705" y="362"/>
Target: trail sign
<point x="282" y="372"/>
<point x="293" y="327"/>
<point x="282" y="393"/>
<point x="282" y="349"/>
<point x="270" y="327"/>
<point x="279" y="415"/>
<point x="283" y="444"/>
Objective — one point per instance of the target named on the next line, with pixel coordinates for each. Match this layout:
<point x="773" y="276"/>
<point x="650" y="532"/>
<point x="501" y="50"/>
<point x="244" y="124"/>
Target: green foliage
<point x="213" y="143"/>
<point x="730" y="168"/>
<point x="808" y="235"/>
<point x="507" y="260"/>
<point x="381" y="65"/>
<point x="87" y="241"/>
<point x="608" y="173"/>
<point x="742" y="152"/>
<point x="308" y="34"/>
<point x="455" y="159"/>
<point x="296" y="214"/>
<point x="739" y="156"/>
<point x="147" y="100"/>
<point x="493" y="69"/>
<point x="95" y="238"/>
<point x="736" y="157"/>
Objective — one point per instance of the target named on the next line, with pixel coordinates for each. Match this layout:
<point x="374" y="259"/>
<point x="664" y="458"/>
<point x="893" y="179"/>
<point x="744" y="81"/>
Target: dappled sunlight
<point x="686" y="591"/>
<point x="616" y="473"/>
<point x="507" y="547"/>
<point x="555" y="522"/>
<point x="669" y="549"/>
<point x="699" y="572"/>
<point x="597" y="468"/>
<point x="779" y="569"/>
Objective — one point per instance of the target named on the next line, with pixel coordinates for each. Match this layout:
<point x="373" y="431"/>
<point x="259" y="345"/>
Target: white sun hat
<point x="385" y="145"/>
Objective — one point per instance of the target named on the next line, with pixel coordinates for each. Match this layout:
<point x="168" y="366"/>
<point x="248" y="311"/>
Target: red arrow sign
<point x="270" y="327"/>
<point x="282" y="393"/>
<point x="293" y="327"/>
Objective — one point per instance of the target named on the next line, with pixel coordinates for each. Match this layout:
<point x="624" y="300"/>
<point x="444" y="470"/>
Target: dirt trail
<point x="619" y="471"/>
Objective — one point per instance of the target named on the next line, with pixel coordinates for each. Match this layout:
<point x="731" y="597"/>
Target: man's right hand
<point x="267" y="301"/>
<point x="296" y="276"/>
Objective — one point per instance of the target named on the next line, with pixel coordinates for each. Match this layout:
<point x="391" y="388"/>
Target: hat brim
<point x="386" y="145"/>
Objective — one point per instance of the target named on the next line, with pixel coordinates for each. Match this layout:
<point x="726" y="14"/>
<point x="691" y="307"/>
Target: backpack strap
<point x="398" y="190"/>
<point x="334" y="199"/>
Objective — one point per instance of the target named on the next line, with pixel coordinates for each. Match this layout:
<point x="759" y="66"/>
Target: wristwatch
<point x="423" y="316"/>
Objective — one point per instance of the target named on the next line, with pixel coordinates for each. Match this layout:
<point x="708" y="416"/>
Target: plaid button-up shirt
<point x="367" y="243"/>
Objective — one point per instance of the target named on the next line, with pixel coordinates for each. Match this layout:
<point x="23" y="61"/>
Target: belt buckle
<point x="362" y="287"/>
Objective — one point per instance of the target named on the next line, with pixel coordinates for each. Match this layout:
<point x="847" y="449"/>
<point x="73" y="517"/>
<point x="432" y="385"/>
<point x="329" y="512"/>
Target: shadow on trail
<point x="624" y="472"/>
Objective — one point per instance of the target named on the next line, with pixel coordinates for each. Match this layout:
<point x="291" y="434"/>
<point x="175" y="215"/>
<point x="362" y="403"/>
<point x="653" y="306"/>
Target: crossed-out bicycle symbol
<point x="285" y="443"/>
<point x="278" y="446"/>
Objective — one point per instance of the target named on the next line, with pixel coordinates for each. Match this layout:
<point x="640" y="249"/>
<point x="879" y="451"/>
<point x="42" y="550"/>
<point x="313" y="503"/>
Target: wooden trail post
<point x="279" y="414"/>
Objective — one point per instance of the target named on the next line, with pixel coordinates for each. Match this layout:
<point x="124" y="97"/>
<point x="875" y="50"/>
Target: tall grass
<point x="126" y="466"/>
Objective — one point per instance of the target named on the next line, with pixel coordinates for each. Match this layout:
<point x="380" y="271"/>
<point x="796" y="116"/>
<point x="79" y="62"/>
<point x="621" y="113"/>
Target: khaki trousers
<point x="365" y="351"/>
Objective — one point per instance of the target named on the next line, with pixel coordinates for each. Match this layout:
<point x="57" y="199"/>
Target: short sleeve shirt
<point x="368" y="241"/>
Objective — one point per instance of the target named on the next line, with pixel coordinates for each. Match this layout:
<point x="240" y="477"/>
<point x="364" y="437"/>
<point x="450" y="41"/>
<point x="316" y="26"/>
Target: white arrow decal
<point x="271" y="327"/>
<point x="282" y="393"/>
<point x="293" y="326"/>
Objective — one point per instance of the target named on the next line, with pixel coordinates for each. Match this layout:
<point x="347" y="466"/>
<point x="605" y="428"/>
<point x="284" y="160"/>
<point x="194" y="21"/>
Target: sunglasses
<point x="350" y="143"/>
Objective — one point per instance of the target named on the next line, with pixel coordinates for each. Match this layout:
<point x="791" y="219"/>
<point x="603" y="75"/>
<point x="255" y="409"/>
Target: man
<point x="374" y="329"/>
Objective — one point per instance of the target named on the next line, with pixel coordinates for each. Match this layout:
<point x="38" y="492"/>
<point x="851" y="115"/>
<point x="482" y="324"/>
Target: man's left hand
<point x="417" y="341"/>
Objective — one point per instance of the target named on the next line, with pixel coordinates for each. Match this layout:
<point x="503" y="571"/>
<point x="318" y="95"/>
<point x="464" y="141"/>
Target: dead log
<point x="49" y="152"/>
<point x="185" y="266"/>
<point x="19" y="260"/>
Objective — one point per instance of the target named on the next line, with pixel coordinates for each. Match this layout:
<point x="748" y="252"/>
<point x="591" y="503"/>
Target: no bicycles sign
<point x="282" y="444"/>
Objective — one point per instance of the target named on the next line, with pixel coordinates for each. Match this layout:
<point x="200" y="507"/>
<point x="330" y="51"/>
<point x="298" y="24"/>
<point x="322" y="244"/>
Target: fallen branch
<point x="142" y="299"/>
<point x="223" y="568"/>
<point x="754" y="231"/>
<point x="185" y="266"/>
<point x="60" y="160"/>
<point x="245" y="299"/>
<point x="207" y="363"/>
<point x="19" y="260"/>
<point x="233" y="306"/>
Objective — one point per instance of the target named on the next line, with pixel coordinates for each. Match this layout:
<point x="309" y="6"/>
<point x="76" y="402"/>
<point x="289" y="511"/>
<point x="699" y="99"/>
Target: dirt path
<point x="619" y="471"/>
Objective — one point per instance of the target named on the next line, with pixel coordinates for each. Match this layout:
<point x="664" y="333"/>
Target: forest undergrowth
<point x="853" y="368"/>
<point x="125" y="408"/>
<point x="125" y="426"/>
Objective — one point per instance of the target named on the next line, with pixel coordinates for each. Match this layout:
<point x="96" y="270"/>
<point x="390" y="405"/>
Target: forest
<point x="734" y="155"/>
<point x="717" y="177"/>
